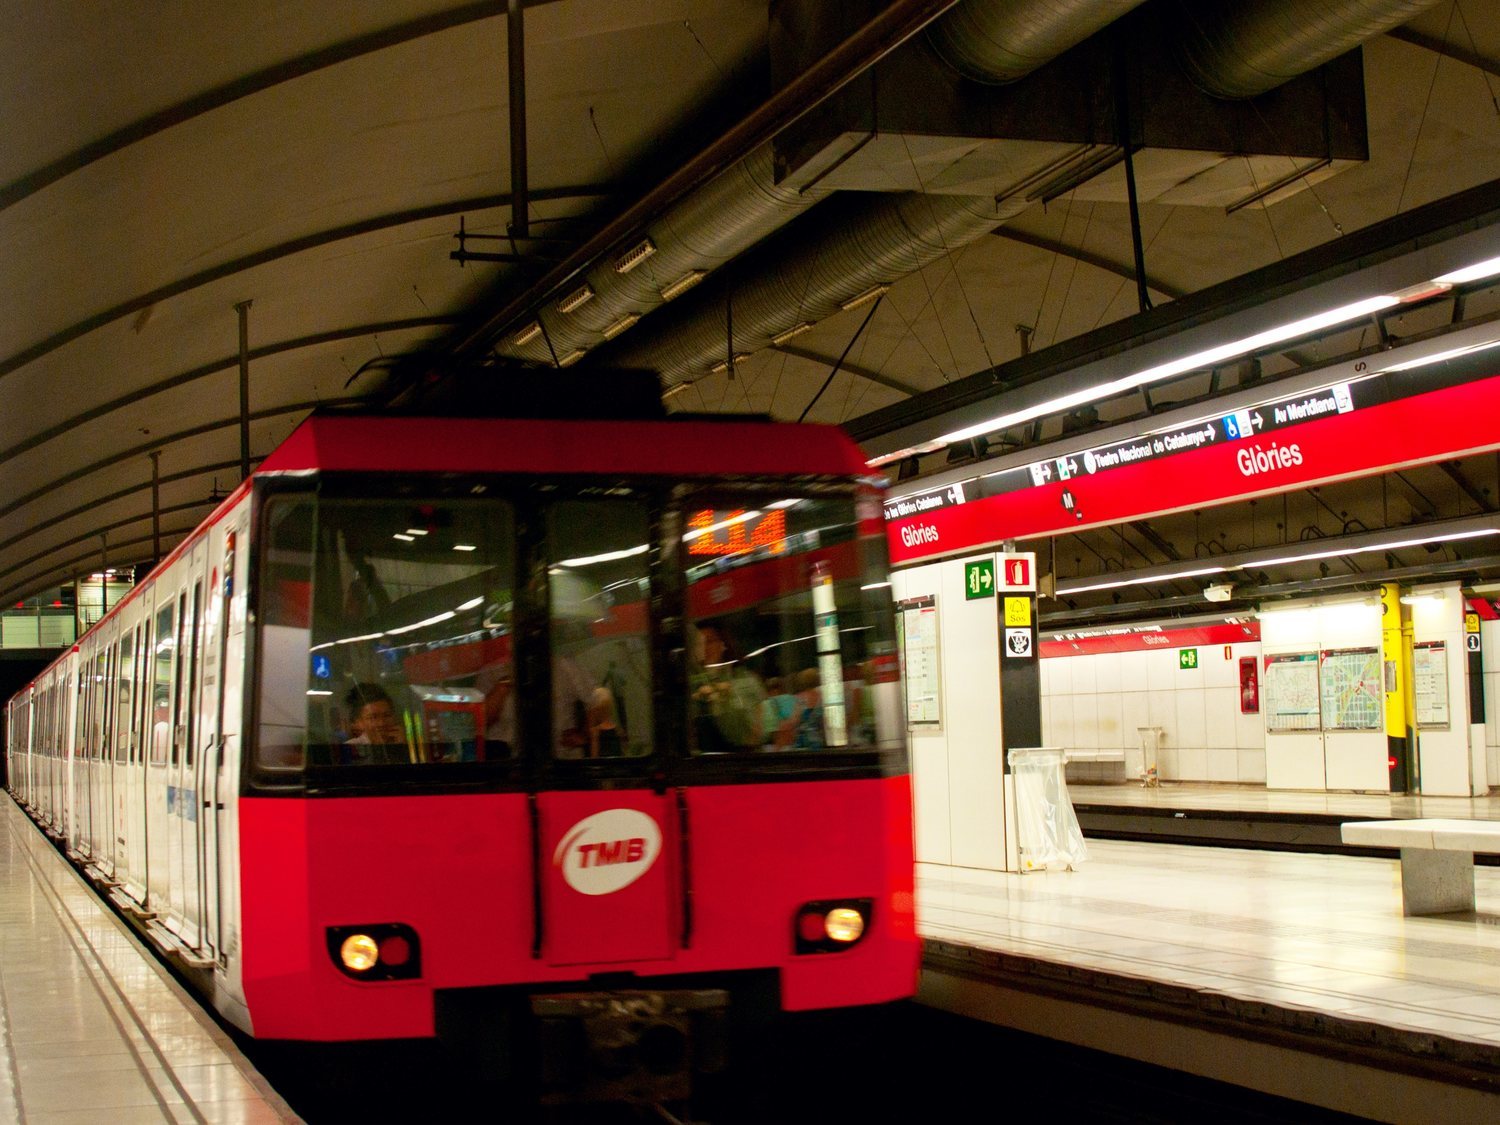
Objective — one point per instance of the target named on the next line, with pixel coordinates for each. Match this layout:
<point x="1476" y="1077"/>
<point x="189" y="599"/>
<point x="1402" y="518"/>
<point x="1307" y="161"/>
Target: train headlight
<point x="380" y="951"/>
<point x="831" y="925"/>
<point x="844" y="925"/>
<point x="359" y="953"/>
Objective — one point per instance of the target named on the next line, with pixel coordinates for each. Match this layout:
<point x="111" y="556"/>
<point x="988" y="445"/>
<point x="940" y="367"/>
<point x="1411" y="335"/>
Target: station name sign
<point x="1346" y="430"/>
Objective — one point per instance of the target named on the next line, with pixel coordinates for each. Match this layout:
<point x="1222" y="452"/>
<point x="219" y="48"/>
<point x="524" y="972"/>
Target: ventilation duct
<point x="1242" y="48"/>
<point x="855" y="243"/>
<point x="709" y="227"/>
<point x="995" y="41"/>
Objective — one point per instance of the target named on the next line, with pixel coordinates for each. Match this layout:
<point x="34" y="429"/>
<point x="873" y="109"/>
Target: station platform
<point x="1253" y="816"/>
<point x="92" y="1029"/>
<point x="1289" y="973"/>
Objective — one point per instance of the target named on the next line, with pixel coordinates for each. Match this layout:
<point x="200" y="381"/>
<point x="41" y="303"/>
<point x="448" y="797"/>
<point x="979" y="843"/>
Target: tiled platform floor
<point x="92" y="1030"/>
<point x="1311" y="945"/>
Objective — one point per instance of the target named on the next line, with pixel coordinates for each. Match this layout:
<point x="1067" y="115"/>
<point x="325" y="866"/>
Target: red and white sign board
<point x="1088" y="642"/>
<point x="1017" y="572"/>
<point x="1451" y="422"/>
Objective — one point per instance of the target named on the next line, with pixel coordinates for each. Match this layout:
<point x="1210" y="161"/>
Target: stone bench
<point x="1437" y="858"/>
<point x="1101" y="759"/>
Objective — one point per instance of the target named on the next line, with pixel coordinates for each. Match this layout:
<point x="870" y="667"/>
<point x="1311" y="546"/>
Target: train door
<point x="159" y="741"/>
<point x="122" y="752"/>
<point x="213" y="626"/>
<point x="231" y="607"/>
<point x="186" y="880"/>
<point x="80" y="752"/>
<point x="135" y="773"/>
<point x="610" y="859"/>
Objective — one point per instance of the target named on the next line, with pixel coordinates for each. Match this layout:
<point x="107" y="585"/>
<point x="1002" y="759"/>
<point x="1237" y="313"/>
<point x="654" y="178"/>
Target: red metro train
<point x="465" y="728"/>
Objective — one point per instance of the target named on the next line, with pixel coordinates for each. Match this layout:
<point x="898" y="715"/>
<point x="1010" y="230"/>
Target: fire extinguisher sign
<point x="1017" y="571"/>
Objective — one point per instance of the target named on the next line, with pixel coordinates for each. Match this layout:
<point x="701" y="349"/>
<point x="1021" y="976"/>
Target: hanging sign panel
<point x="1330" y="435"/>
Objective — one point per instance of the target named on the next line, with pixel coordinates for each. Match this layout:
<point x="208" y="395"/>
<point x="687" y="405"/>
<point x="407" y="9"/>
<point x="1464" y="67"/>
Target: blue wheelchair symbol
<point x="322" y="668"/>
<point x="1231" y="427"/>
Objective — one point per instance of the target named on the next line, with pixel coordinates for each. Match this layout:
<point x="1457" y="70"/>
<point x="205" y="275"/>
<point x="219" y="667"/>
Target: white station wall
<point x="1100" y="701"/>
<point x="956" y="768"/>
<point x="1452" y="758"/>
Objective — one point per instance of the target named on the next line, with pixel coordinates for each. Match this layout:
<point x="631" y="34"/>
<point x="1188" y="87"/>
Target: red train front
<point x="552" y="720"/>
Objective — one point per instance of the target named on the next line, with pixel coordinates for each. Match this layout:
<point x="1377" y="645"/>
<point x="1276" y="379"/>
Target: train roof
<point x="697" y="447"/>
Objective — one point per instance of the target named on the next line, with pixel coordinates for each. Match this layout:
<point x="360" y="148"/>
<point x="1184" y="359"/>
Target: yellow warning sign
<point x="1471" y="623"/>
<point x="1017" y="611"/>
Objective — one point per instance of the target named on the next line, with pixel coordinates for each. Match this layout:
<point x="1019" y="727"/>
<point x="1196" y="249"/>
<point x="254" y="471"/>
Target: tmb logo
<point x="608" y="851"/>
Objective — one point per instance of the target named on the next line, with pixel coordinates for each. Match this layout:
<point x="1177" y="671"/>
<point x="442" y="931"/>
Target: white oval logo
<point x="608" y="851"/>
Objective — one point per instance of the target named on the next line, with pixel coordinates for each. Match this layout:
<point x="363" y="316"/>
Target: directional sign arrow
<point x="1257" y="419"/>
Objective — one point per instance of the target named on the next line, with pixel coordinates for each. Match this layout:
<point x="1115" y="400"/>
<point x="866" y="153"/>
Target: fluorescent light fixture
<point x="1420" y="599"/>
<point x="404" y="538"/>
<point x="607" y="556"/>
<point x="312" y="691"/>
<point x="465" y="547"/>
<point x="683" y="284"/>
<point x="527" y="334"/>
<point x="866" y="297"/>
<point x="723" y="365"/>
<point x="572" y="357"/>
<point x="1451" y="353"/>
<point x="1282" y="560"/>
<point x="576" y="299"/>
<point x="439" y="619"/>
<point x="1487" y="268"/>
<point x="416" y="531"/>
<point x="792" y="333"/>
<point x="635" y="256"/>
<point x="784" y="504"/>
<point x="626" y="321"/>
<point x="1198" y="360"/>
<point x="472" y="603"/>
<point x="877" y="586"/>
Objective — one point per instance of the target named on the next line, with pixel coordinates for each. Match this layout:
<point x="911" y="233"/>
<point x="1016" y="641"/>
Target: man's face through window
<point x="377" y="721"/>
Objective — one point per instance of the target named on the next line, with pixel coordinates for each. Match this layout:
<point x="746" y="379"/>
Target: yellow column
<point x="1400" y="691"/>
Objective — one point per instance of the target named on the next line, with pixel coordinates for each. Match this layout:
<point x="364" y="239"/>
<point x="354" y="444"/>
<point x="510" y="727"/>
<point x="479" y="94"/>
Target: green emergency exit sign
<point x="1187" y="658"/>
<point x="979" y="579"/>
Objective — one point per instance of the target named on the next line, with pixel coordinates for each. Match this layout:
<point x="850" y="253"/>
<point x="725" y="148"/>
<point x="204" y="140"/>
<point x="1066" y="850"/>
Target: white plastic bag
<point x="1047" y="832"/>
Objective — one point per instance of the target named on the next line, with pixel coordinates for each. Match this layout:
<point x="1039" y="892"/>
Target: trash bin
<point x="1150" y="744"/>
<point x="1047" y="831"/>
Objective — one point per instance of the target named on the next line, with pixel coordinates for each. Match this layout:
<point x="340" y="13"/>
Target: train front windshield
<point x="493" y="625"/>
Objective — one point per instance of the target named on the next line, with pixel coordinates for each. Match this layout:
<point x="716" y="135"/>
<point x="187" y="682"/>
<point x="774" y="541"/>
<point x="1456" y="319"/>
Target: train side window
<point x="599" y="593"/>
<point x="384" y="628"/>
<point x="195" y="641"/>
<point x="124" y="697"/>
<point x="138" y="716"/>
<point x="161" y="685"/>
<point x="178" y="643"/>
<point x="790" y="636"/>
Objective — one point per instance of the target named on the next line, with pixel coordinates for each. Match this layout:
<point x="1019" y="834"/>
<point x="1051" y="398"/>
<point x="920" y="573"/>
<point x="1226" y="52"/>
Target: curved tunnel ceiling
<point x="169" y="165"/>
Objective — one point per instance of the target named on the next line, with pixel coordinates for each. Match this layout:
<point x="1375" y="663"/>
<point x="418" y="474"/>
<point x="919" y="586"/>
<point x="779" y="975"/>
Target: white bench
<point x="1094" y="756"/>
<point x="1437" y="858"/>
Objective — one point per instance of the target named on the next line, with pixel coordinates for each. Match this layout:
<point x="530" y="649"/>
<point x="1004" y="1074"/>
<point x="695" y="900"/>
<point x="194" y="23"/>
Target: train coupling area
<point x="638" y="1046"/>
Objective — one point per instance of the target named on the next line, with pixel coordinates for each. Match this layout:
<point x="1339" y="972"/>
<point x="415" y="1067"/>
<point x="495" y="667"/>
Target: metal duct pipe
<point x="701" y="233"/>
<point x="863" y="241"/>
<point x="999" y="41"/>
<point x="1241" y="48"/>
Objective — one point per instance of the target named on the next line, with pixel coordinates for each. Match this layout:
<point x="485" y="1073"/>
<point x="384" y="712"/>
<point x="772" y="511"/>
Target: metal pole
<point x="894" y="25"/>
<point x="520" y="222"/>
<point x="1127" y="143"/>
<point x="243" y="308"/>
<point x="155" y="508"/>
